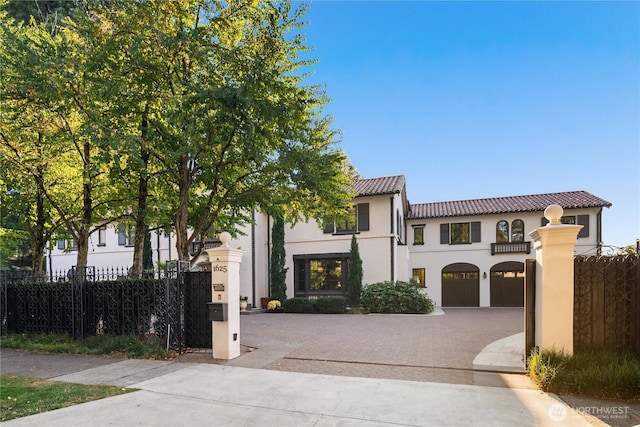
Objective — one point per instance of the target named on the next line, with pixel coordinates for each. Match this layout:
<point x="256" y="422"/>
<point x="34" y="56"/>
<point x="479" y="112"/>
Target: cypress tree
<point x="147" y="256"/>
<point x="354" y="277"/>
<point x="278" y="258"/>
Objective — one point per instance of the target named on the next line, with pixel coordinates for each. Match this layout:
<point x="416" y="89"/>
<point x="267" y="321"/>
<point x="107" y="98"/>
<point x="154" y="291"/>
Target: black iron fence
<point x="91" y="301"/>
<point x="83" y="308"/>
<point x="90" y="274"/>
<point x="607" y="303"/>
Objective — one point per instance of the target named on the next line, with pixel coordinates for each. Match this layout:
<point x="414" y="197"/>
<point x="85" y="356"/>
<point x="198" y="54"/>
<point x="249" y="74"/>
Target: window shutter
<point x="363" y="216"/>
<point x="444" y="234"/>
<point x="475" y="231"/>
<point x="544" y="221"/>
<point x="584" y="221"/>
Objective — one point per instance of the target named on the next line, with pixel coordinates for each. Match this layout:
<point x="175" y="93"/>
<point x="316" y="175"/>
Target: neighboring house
<point x="465" y="253"/>
<point x="109" y="246"/>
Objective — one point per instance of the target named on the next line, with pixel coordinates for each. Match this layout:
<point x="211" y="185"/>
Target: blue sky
<point x="485" y="99"/>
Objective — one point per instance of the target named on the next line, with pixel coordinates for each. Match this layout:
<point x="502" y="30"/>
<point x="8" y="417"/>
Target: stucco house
<point x="465" y="253"/>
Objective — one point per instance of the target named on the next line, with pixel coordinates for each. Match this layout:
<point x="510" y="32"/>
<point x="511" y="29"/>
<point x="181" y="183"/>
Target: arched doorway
<point x="507" y="284"/>
<point x="460" y="285"/>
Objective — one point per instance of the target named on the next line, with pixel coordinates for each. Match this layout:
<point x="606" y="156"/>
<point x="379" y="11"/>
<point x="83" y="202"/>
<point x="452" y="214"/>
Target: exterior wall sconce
<point x="484" y="275"/>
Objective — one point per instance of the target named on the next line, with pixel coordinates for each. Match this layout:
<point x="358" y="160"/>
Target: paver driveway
<point x="438" y="348"/>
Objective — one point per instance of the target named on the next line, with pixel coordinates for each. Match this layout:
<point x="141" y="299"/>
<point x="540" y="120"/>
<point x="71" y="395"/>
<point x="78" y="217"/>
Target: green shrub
<point x="324" y="305"/>
<point x="602" y="374"/>
<point x="330" y="305"/>
<point x="298" y="305"/>
<point x="396" y="297"/>
<point x="125" y="345"/>
<point x="544" y="367"/>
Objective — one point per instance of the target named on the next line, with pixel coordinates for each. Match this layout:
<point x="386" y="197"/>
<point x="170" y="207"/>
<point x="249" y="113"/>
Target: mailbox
<point x="218" y="311"/>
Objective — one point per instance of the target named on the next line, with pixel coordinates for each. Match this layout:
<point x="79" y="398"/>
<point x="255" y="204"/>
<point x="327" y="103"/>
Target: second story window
<point x="349" y="224"/>
<point x="582" y="220"/>
<point x="502" y="231"/>
<point x="458" y="233"/>
<point x="517" y="231"/>
<point x="102" y="236"/>
<point x="418" y="235"/>
<point x="125" y="236"/>
<point x="358" y="220"/>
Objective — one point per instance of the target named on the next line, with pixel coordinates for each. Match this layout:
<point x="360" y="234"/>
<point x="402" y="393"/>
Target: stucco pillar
<point x="225" y="288"/>
<point x="554" y="245"/>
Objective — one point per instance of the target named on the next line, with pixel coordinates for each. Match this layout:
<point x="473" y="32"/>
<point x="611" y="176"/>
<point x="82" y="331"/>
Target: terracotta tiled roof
<point x="379" y="186"/>
<point x="497" y="205"/>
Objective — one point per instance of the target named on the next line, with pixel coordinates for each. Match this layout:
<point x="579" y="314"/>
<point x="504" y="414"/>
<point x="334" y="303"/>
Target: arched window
<point x="502" y="231"/>
<point x="517" y="231"/>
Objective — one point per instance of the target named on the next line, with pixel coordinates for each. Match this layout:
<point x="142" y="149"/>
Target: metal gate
<point x="187" y="295"/>
<point x="197" y="293"/>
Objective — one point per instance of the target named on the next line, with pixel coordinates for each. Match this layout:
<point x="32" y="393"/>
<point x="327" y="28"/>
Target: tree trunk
<point x="38" y="238"/>
<point x="182" y="213"/>
<point x="143" y="194"/>
<point x="82" y="238"/>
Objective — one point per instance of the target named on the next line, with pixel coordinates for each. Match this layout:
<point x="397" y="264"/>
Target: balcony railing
<point x="197" y="246"/>
<point x="511" y="248"/>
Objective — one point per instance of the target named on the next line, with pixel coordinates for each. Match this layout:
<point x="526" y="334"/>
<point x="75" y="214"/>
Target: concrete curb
<point x="503" y="356"/>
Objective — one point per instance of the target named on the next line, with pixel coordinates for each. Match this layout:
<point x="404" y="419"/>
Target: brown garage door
<point x="461" y="285"/>
<point x="507" y="284"/>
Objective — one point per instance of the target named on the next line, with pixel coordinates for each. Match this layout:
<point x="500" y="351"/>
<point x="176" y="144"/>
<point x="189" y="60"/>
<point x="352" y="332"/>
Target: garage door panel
<point x="507" y="292"/>
<point x="460" y="293"/>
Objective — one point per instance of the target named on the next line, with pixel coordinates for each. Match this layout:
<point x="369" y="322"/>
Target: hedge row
<point x="323" y="305"/>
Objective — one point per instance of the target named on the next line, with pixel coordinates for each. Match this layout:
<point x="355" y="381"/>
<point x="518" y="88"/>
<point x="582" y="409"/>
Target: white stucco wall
<point x="254" y="257"/>
<point x="109" y="255"/>
<point x="434" y="256"/>
<point x="376" y="246"/>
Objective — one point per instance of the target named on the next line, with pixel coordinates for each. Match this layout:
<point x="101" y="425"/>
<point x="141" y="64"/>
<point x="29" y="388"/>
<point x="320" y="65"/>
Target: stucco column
<point x="554" y="245"/>
<point x="225" y="288"/>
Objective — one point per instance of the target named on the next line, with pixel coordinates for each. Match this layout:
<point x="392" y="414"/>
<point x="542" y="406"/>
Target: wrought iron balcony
<point x="511" y="248"/>
<point x="198" y="246"/>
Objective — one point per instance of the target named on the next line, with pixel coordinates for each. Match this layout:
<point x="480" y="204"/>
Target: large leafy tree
<point x="187" y="113"/>
<point x="243" y="131"/>
<point x="32" y="136"/>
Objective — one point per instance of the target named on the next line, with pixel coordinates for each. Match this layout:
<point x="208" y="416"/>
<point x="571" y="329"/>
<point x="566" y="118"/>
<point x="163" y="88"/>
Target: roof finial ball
<point x="225" y="238"/>
<point x="553" y="213"/>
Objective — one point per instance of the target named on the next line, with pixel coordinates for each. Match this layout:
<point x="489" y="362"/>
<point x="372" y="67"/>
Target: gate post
<point x="554" y="244"/>
<point x="225" y="289"/>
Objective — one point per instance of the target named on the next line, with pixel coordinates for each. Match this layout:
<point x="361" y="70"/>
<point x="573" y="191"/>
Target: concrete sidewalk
<point x="387" y="370"/>
<point x="194" y="394"/>
<point x="212" y="395"/>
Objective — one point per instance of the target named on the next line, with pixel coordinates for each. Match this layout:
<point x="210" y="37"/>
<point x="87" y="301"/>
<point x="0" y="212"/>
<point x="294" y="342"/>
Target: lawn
<point x="115" y="345"/>
<point x="22" y="396"/>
